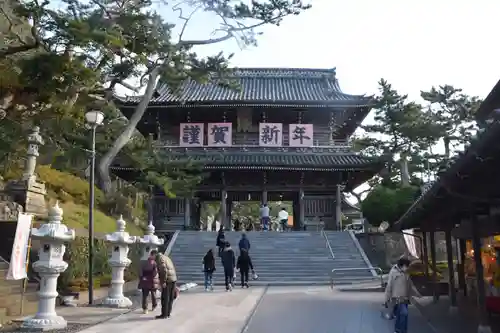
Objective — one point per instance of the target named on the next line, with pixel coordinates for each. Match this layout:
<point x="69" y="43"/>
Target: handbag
<point x="255" y="276"/>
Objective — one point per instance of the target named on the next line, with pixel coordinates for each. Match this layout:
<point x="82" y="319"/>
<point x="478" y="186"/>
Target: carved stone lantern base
<point x="38" y="322"/>
<point x="119" y="302"/>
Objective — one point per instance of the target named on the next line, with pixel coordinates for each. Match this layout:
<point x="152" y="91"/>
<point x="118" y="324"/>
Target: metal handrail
<point x="327" y="243"/>
<point x="377" y="269"/>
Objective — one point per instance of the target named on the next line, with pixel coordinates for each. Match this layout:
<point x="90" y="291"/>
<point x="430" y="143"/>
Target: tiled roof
<point x="277" y="160"/>
<point x="262" y="86"/>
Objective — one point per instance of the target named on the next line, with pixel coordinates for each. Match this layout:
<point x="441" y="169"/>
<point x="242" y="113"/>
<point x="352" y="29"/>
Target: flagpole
<point x="25" y="280"/>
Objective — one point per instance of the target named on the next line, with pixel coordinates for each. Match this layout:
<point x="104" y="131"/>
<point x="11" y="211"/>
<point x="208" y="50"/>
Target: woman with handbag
<point x="149" y="282"/>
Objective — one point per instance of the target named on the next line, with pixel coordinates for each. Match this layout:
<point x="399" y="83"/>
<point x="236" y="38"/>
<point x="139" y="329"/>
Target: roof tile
<point x="263" y="85"/>
<point x="283" y="160"/>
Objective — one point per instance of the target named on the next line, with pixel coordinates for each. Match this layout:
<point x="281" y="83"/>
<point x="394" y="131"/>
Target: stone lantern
<point x="52" y="237"/>
<point x="150" y="241"/>
<point x="119" y="242"/>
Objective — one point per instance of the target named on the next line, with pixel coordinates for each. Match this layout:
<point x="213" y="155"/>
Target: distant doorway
<point x="244" y="215"/>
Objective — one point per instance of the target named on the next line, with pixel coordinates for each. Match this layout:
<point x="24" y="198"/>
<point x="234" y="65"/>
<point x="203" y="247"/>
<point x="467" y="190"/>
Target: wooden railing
<point x="336" y="147"/>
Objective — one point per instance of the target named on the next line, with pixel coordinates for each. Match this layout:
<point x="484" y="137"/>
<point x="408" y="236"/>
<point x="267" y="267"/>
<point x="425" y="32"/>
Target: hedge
<point x="75" y="278"/>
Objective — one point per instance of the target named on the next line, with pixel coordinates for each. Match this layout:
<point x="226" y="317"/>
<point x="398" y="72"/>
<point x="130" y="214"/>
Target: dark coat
<point x="149" y="278"/>
<point x="244" y="243"/>
<point x="209" y="263"/>
<point x="221" y="239"/>
<point x="244" y="262"/>
<point x="228" y="259"/>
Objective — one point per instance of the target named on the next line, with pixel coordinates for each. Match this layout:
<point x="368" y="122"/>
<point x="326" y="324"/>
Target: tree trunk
<point x="127" y="133"/>
<point x="405" y="174"/>
<point x="447" y="150"/>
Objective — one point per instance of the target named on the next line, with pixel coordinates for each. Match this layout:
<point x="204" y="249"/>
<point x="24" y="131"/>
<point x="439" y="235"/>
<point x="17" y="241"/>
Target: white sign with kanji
<point x="271" y="134"/>
<point x="17" y="265"/>
<point x="220" y="134"/>
<point x="191" y="134"/>
<point x="301" y="135"/>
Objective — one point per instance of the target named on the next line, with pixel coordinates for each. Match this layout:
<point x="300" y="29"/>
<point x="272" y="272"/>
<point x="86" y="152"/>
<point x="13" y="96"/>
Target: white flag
<point x="17" y="267"/>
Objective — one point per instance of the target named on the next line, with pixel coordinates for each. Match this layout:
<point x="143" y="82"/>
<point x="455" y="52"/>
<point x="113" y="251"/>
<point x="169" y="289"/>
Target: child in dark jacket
<point x="244" y="264"/>
<point x="209" y="269"/>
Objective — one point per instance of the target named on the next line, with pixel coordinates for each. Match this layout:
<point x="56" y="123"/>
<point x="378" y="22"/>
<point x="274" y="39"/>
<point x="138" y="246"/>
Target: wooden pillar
<point x="223" y="208"/>
<point x="302" y="212"/>
<point x="187" y="213"/>
<point x="451" y="272"/>
<point x="432" y="240"/>
<point x="229" y="208"/>
<point x="483" y="326"/>
<point x="461" y="248"/>
<point x="264" y="197"/>
<point x="425" y="254"/>
<point x="338" y="208"/>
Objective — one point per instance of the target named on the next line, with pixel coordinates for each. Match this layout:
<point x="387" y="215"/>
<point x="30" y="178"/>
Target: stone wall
<point x="383" y="250"/>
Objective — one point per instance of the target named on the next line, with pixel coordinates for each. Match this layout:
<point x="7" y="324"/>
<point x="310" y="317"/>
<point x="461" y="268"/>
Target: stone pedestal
<point x="149" y="242"/>
<point x="119" y="242"/>
<point x="52" y="237"/>
<point x="29" y="192"/>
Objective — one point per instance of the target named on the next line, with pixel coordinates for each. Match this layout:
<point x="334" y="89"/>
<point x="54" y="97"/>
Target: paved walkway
<point x="257" y="310"/>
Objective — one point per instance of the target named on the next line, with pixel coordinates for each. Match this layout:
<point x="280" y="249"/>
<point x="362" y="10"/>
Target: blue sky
<point x="412" y="44"/>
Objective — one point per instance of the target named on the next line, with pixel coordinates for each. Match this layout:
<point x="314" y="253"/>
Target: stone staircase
<point x="293" y="258"/>
<point x="350" y="262"/>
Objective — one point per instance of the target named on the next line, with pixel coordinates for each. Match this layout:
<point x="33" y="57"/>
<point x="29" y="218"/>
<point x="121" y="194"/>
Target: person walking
<point x="221" y="240"/>
<point x="283" y="217"/>
<point x="398" y="292"/>
<point x="149" y="282"/>
<point x="264" y="216"/>
<point x="229" y="263"/>
<point x="244" y="243"/>
<point x="209" y="269"/>
<point x="168" y="280"/>
<point x="244" y="264"/>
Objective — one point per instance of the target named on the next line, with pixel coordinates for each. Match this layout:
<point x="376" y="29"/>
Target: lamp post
<point x="94" y="119"/>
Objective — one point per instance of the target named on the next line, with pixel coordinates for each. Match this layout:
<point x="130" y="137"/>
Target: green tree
<point x="452" y="113"/>
<point x="388" y="204"/>
<point x="400" y="132"/>
<point x="85" y="49"/>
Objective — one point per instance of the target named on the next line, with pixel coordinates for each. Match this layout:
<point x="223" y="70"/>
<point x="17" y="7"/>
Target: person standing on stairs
<point x="264" y="216"/>
<point x="221" y="240"/>
<point x="229" y="263"/>
<point x="209" y="269"/>
<point x="244" y="243"/>
<point x="244" y="265"/>
<point x="283" y="217"/>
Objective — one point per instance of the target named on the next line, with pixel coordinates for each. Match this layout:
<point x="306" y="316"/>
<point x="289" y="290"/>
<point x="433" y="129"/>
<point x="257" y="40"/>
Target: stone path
<point x="194" y="312"/>
<point x="321" y="310"/>
<point x="274" y="309"/>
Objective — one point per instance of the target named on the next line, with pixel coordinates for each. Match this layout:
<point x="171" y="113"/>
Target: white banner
<point x="271" y="134"/>
<point x="191" y="134"/>
<point x="301" y="135"/>
<point x="17" y="267"/>
<point x="410" y="242"/>
<point x="220" y="134"/>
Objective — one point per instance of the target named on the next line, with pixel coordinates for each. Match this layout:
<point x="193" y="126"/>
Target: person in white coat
<point x="283" y="217"/>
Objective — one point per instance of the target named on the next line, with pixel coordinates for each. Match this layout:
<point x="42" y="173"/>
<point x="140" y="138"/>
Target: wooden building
<point x="464" y="202"/>
<point x="283" y="134"/>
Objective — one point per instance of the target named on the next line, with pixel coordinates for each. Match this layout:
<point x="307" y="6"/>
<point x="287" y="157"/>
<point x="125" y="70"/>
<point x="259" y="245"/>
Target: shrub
<point x="75" y="278"/>
<point x="67" y="187"/>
